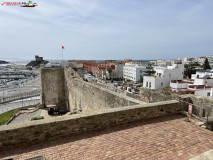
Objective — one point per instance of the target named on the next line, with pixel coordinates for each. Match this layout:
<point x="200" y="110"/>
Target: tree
<point x="149" y="70"/>
<point x="190" y="69"/>
<point x="109" y="70"/>
<point x="141" y="79"/>
<point x="206" y="65"/>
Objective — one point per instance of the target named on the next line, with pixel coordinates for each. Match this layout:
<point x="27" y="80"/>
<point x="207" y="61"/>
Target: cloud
<point x="102" y="29"/>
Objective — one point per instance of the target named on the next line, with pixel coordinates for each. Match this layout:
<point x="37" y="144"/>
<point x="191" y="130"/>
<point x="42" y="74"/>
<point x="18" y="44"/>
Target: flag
<point x="62" y="47"/>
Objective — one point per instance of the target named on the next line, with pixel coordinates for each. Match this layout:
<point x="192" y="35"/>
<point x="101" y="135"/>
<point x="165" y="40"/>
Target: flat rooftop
<point x="162" y="138"/>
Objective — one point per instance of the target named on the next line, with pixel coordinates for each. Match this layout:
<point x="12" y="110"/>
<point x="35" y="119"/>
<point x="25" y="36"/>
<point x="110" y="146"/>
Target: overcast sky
<point x="108" y="29"/>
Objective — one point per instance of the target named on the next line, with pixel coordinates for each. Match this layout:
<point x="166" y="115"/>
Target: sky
<point x="107" y="29"/>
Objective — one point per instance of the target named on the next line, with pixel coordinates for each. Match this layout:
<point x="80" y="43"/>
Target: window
<point x="161" y="84"/>
<point x="169" y="74"/>
<point x="141" y="71"/>
<point x="208" y="94"/>
<point x="149" y="84"/>
<point x="197" y="76"/>
<point x="160" y="74"/>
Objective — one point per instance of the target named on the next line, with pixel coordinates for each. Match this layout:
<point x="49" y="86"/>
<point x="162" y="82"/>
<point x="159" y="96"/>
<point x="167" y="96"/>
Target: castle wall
<point x="52" y="87"/>
<point x="87" y="97"/>
<point x="37" y="131"/>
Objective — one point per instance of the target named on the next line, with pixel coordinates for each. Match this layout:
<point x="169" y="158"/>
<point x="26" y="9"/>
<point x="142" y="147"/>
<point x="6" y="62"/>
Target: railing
<point x="20" y="96"/>
<point x="18" y="104"/>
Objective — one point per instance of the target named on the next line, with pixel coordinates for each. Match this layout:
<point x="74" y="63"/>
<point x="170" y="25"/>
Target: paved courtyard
<point x="165" y="138"/>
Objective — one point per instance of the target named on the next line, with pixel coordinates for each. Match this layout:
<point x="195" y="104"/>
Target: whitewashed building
<point x="180" y="85"/>
<point x="163" y="76"/>
<point x="203" y="78"/>
<point x="200" y="85"/>
<point x="187" y="60"/>
<point x="200" y="60"/>
<point x="210" y="59"/>
<point x="163" y="63"/>
<point x="133" y="71"/>
<point x="202" y="90"/>
<point x="117" y="73"/>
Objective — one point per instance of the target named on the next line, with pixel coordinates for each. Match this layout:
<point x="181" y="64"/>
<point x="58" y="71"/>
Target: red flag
<point x="62" y="47"/>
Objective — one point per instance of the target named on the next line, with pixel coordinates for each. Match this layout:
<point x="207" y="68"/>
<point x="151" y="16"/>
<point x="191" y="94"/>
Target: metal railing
<point x="18" y="104"/>
<point x="20" y="96"/>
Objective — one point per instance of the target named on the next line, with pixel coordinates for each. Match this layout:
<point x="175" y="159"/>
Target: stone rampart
<point x="37" y="131"/>
<point x="151" y="96"/>
<point x="145" y="95"/>
<point x="64" y="88"/>
<point x="88" y="97"/>
<point x="201" y="105"/>
<point x="52" y="87"/>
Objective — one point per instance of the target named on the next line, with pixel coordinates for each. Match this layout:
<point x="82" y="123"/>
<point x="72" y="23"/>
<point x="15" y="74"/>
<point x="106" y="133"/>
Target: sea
<point x="26" y="61"/>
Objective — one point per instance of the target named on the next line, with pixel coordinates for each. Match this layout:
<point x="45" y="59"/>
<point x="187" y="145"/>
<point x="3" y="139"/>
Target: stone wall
<point x="151" y="96"/>
<point x="201" y="105"/>
<point x="52" y="87"/>
<point x="87" y="97"/>
<point x="66" y="89"/>
<point x="145" y="95"/>
<point x="37" y="131"/>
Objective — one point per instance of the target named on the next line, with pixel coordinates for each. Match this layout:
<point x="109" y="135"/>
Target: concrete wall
<point x="36" y="131"/>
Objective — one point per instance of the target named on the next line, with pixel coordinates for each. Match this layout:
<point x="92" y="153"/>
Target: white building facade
<point x="163" y="63"/>
<point x="117" y="73"/>
<point x="203" y="78"/>
<point x="210" y="59"/>
<point x="163" y="76"/>
<point x="133" y="72"/>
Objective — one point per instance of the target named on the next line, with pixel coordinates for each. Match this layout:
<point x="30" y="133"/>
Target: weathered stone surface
<point x="64" y="88"/>
<point x="71" y="124"/>
<point x="208" y="155"/>
<point x="52" y="87"/>
<point x="201" y="105"/>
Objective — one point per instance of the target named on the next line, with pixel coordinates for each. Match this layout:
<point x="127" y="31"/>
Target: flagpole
<point x="62" y="62"/>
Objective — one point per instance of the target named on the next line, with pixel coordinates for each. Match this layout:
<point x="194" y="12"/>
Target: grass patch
<point x="167" y="93"/>
<point x="37" y="118"/>
<point x="4" y="117"/>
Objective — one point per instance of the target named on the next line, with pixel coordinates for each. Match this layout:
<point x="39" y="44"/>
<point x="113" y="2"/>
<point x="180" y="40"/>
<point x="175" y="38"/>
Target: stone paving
<point x="163" y="138"/>
<point x="24" y="117"/>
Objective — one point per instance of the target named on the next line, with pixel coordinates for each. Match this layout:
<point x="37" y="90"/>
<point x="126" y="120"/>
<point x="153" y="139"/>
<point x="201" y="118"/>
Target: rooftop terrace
<point x="162" y="138"/>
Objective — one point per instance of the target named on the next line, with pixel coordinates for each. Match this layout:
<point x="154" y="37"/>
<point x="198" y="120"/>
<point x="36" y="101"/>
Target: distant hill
<point x="3" y="62"/>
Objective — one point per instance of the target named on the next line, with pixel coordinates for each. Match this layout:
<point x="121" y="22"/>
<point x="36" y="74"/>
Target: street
<point x="18" y="104"/>
<point x="26" y="86"/>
